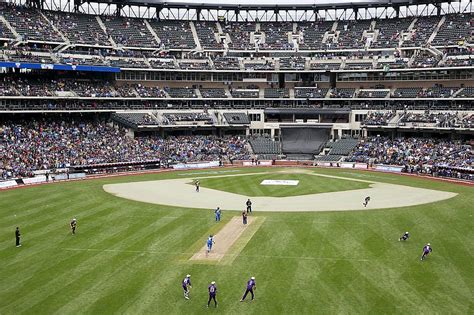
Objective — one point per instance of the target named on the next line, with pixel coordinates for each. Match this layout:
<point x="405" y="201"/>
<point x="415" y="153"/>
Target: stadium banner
<point x="77" y="175"/>
<point x="61" y="176"/>
<point x="389" y="168"/>
<point x="41" y="66"/>
<point x="182" y="166"/>
<point x="361" y="165"/>
<point x="8" y="183"/>
<point x="35" y="180"/>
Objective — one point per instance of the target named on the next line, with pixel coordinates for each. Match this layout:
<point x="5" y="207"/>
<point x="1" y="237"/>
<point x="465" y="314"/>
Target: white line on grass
<point x="241" y="255"/>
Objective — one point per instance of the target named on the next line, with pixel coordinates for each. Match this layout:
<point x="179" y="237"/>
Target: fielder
<point x="404" y="237"/>
<point x="17" y="237"/>
<point x="73" y="225"/>
<point x="426" y="251"/>
<point x="366" y="201"/>
<point x="186" y="285"/>
<point x="218" y="214"/>
<point x="197" y="185"/>
<point x="251" y="285"/>
<point x="249" y="206"/>
<point x="212" y="293"/>
<point x="210" y="241"/>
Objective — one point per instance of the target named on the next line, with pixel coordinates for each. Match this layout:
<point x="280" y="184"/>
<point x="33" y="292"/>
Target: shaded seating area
<point x="237" y="118"/>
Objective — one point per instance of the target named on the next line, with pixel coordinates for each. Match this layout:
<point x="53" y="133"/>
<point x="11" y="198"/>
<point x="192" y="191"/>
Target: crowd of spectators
<point x="27" y="146"/>
<point x="427" y="117"/>
<point x="240" y="35"/>
<point x="174" y="118"/>
<point x="413" y="151"/>
<point x="378" y="118"/>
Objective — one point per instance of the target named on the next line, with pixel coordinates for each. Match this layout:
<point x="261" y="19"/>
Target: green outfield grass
<point x="249" y="185"/>
<point x="130" y="257"/>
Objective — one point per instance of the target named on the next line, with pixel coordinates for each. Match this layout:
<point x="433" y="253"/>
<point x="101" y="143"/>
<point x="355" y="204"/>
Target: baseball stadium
<point x="196" y="157"/>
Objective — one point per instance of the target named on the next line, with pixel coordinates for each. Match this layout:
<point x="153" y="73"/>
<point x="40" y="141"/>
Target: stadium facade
<point x="308" y="73"/>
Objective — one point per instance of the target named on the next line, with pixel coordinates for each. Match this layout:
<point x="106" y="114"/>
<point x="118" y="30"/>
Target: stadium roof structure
<point x="265" y="5"/>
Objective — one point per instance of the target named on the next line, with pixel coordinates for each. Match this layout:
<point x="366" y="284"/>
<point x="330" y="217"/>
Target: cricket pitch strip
<point x="229" y="241"/>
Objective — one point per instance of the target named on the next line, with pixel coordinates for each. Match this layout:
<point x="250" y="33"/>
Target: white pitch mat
<point x="280" y="182"/>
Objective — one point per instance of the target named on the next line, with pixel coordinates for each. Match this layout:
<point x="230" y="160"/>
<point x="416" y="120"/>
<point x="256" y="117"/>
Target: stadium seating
<point x="181" y="92"/>
<point x="466" y="92"/>
<point x="342" y="93"/>
<point x="422" y="30"/>
<point x="213" y="93"/>
<point x="311" y="92"/>
<point x="378" y="118"/>
<point x="343" y="146"/>
<point x="194" y="65"/>
<point x="29" y="24"/>
<point x="276" y="35"/>
<point x="351" y="34"/>
<point x="128" y="63"/>
<point x="206" y="32"/>
<point x="312" y="34"/>
<point x="129" y="32"/>
<point x="276" y="93"/>
<point x="162" y="63"/>
<point x="264" y="145"/>
<point x="30" y="145"/>
<point x="223" y="63"/>
<point x="411" y="151"/>
<point x="174" y="34"/>
<point x="244" y="93"/>
<point x="79" y="28"/>
<point x="389" y="32"/>
<point x="373" y="93"/>
<point x="135" y="119"/>
<point x="146" y="91"/>
<point x="240" y="35"/>
<point x="457" y="28"/>
<point x="407" y="92"/>
<point x="292" y="63"/>
<point x="325" y="66"/>
<point x="187" y="118"/>
<point x="237" y="118"/>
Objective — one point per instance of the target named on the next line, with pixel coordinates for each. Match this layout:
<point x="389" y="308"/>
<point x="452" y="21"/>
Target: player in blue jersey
<point x="218" y="214"/>
<point x="426" y="251"/>
<point x="251" y="286"/>
<point x="186" y="285"/>
<point x="210" y="241"/>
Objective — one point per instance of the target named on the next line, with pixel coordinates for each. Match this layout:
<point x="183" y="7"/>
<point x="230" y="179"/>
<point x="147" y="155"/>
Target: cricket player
<point x="426" y="251"/>
<point x="404" y="237"/>
<point x="218" y="214"/>
<point x="244" y="217"/>
<point x="73" y="225"/>
<point x="186" y="285"/>
<point x="366" y="201"/>
<point x="197" y="185"/>
<point x="212" y="293"/>
<point x="210" y="241"/>
<point x="17" y="236"/>
<point x="251" y="285"/>
<point x="249" y="206"/>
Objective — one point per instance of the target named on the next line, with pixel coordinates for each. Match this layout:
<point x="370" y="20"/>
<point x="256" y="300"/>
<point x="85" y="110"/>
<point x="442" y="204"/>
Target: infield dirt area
<point x="178" y="192"/>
